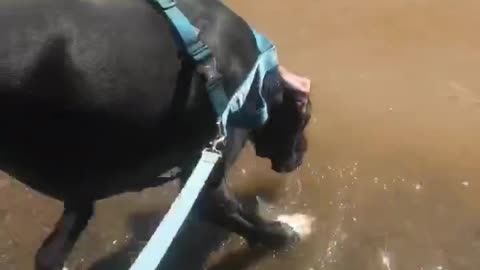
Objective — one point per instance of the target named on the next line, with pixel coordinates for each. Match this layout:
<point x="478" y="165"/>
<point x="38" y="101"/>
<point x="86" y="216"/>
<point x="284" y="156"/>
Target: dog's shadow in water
<point x="190" y="250"/>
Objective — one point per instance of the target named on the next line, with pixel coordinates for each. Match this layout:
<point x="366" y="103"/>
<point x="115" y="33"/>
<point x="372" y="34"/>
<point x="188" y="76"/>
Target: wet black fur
<point x="95" y="102"/>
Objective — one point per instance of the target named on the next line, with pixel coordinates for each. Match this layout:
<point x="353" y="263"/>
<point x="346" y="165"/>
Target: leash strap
<point x="162" y="238"/>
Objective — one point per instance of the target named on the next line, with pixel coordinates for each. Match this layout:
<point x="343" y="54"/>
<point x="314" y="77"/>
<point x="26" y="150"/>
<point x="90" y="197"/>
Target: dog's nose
<point x="285" y="167"/>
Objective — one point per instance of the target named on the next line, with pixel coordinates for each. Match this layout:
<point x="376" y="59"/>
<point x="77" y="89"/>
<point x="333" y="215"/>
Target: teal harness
<point x="230" y="111"/>
<point x="244" y="109"/>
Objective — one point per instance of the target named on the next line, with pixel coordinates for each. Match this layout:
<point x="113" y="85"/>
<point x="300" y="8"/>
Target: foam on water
<point x="301" y="223"/>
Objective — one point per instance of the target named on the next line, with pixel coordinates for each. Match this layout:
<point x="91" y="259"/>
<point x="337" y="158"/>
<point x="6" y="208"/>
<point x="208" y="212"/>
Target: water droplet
<point x="354" y="219"/>
<point x="465" y="183"/>
<point x="114" y="242"/>
<point x="375" y="180"/>
<point x="439" y="267"/>
<point x="244" y="171"/>
<point x="418" y="186"/>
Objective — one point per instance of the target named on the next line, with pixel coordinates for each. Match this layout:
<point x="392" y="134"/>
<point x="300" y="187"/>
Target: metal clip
<point x="209" y="71"/>
<point x="220" y="140"/>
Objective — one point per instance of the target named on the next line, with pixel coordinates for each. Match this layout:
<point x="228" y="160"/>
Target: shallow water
<point x="391" y="175"/>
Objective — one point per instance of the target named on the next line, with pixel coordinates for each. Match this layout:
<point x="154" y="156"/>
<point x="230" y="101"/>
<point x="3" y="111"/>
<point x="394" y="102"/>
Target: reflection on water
<point x="391" y="175"/>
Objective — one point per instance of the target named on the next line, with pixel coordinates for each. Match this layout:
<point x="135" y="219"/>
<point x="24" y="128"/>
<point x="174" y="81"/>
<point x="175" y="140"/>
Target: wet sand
<point x="391" y="175"/>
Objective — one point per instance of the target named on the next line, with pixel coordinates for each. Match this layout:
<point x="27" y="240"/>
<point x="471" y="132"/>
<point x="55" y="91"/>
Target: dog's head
<point x="282" y="138"/>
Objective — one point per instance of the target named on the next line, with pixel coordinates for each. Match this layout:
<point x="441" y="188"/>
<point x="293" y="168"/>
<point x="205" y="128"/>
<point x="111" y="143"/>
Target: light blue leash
<point x="163" y="236"/>
<point x="233" y="110"/>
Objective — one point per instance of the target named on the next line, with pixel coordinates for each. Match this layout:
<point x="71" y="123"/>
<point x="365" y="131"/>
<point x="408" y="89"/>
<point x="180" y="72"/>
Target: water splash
<point x="300" y="223"/>
<point x="386" y="262"/>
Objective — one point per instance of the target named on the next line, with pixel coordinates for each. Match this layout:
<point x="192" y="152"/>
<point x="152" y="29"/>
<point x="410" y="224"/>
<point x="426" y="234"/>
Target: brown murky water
<point x="391" y="175"/>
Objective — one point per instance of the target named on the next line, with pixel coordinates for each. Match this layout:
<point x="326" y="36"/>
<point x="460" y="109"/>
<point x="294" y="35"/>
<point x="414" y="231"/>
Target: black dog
<point x="95" y="102"/>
